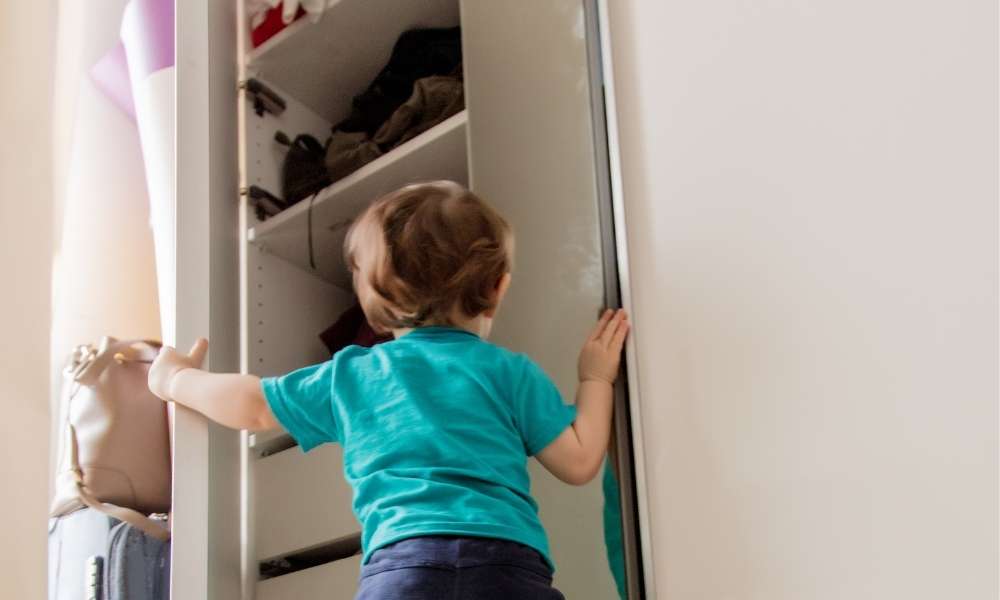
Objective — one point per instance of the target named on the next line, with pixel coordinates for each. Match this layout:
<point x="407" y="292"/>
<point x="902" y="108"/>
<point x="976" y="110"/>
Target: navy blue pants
<point x="456" y="568"/>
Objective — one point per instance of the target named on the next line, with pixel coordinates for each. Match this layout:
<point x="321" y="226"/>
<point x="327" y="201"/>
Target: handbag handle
<point x="98" y="359"/>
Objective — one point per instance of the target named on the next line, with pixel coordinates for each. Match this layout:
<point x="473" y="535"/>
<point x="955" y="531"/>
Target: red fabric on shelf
<point x="271" y="25"/>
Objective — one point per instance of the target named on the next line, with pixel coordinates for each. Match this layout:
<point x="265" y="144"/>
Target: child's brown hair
<point x="427" y="250"/>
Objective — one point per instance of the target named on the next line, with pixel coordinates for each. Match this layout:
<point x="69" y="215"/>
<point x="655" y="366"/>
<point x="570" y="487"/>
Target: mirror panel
<point x="532" y="154"/>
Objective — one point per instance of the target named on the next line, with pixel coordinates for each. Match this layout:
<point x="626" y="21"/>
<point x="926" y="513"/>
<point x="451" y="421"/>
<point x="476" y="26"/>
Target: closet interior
<point x="531" y="141"/>
<point x="300" y="537"/>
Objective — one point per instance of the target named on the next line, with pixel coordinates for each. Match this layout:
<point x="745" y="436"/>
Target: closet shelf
<point x="438" y="153"/>
<point x="325" y="64"/>
<point x="266" y="443"/>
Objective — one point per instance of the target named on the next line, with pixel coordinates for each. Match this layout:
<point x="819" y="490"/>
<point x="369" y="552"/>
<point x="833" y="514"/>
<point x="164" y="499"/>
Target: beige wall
<point x="811" y="191"/>
<point x="104" y="271"/>
<point x="26" y="52"/>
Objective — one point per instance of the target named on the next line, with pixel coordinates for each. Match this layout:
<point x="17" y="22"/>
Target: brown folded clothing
<point x="434" y="99"/>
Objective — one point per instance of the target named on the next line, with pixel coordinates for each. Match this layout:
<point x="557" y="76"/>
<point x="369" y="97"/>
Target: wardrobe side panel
<point x="206" y="541"/>
<point x="264" y="156"/>
<point x="531" y="155"/>
<point x="302" y="500"/>
<point x="285" y="308"/>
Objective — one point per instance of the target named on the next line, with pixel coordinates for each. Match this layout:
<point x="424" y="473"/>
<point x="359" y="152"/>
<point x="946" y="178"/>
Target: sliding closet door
<point x="206" y="543"/>
<point x="811" y="191"/>
<point x="533" y="156"/>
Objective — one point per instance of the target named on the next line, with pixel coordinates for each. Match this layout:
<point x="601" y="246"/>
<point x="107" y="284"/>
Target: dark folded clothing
<point x="418" y="53"/>
<point x="351" y="328"/>
<point x="346" y="152"/>
<point x="433" y="100"/>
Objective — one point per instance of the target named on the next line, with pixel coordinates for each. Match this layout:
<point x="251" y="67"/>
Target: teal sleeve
<point x="540" y="412"/>
<point x="302" y="402"/>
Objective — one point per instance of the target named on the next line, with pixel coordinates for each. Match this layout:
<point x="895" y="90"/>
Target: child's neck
<point x="480" y="325"/>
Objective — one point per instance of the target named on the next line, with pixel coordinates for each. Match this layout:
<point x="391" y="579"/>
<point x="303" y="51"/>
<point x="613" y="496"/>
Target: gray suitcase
<point x="138" y="566"/>
<point x="78" y="542"/>
<point x="95" y="557"/>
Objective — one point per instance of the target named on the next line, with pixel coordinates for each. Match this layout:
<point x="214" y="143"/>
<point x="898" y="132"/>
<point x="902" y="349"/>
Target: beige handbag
<point x="115" y="452"/>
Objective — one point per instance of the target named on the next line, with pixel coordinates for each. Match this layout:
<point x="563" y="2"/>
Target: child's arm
<point x="577" y="454"/>
<point x="235" y="401"/>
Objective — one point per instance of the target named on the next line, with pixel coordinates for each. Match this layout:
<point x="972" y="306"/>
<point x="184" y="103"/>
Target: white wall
<point x="811" y="190"/>
<point x="26" y="54"/>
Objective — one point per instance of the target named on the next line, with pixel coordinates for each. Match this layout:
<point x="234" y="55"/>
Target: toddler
<point x="437" y="424"/>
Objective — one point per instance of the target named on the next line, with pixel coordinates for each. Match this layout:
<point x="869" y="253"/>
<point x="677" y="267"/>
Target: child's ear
<point x="499" y="292"/>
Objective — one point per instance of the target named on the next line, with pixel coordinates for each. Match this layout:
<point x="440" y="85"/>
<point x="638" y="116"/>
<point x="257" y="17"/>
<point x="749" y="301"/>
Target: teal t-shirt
<point x="613" y="528"/>
<point x="437" y="427"/>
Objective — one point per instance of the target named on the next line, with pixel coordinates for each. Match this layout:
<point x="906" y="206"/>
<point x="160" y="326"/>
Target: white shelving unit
<point x="438" y="153"/>
<point x="325" y="581"/>
<point x="298" y="503"/>
<point x="306" y="501"/>
<point x="325" y="64"/>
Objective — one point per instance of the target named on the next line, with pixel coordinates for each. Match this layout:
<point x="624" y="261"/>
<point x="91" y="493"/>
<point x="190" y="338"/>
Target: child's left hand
<point x="170" y="362"/>
<point x="601" y="353"/>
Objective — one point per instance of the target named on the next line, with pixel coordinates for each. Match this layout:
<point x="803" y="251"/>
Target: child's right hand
<point x="601" y="353"/>
<point x="170" y="362"/>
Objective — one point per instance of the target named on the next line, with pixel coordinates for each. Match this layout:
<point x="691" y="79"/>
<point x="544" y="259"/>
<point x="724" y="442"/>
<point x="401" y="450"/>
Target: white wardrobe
<point x="810" y="192"/>
<point x="253" y="516"/>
